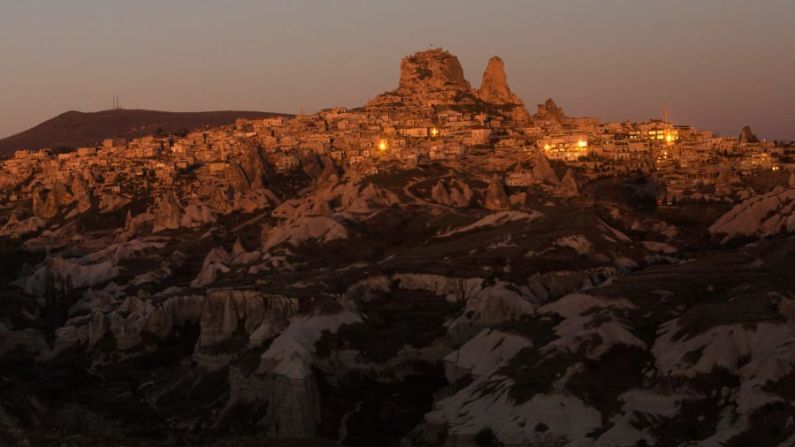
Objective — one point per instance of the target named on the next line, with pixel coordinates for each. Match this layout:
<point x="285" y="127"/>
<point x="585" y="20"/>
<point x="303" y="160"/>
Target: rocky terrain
<point x="75" y="129"/>
<point x="424" y="306"/>
<point x="435" y="77"/>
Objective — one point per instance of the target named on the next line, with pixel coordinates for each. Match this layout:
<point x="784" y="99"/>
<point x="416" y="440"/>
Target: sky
<point x="715" y="64"/>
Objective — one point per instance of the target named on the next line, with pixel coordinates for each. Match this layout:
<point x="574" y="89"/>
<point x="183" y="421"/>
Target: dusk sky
<point x="718" y="64"/>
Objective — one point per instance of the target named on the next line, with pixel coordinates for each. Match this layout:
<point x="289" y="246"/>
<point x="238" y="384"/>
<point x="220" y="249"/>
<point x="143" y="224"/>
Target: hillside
<point x="73" y="129"/>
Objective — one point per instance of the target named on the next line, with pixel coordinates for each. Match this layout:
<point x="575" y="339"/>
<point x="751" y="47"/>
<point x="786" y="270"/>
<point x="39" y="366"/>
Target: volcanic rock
<point x="494" y="87"/>
<point x="542" y="170"/>
<point x="549" y="111"/>
<point x="255" y="167"/>
<point x="440" y="194"/>
<point x="568" y="186"/>
<point x="747" y="136"/>
<point x="431" y="70"/>
<point x="429" y="77"/>
<point x="763" y="215"/>
<point x="167" y="213"/>
<point x="496" y="197"/>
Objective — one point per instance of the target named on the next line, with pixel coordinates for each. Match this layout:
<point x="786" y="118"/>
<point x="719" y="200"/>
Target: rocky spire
<point x="747" y="136"/>
<point x="549" y="111"/>
<point x="496" y="198"/>
<point x="568" y="186"/>
<point x="494" y="87"/>
<point x="542" y="170"/>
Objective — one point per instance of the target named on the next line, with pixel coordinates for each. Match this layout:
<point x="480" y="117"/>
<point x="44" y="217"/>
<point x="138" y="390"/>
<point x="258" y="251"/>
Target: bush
<point x="486" y="438"/>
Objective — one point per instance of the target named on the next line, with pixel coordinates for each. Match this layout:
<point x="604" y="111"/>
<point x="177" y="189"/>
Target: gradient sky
<point x="718" y="64"/>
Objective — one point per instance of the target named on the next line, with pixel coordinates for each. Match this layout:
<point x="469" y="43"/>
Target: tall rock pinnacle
<point x="747" y="136"/>
<point x="494" y="89"/>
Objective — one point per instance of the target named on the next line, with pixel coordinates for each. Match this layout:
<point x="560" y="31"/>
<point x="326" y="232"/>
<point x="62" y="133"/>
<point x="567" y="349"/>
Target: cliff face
<point x="428" y="78"/>
<point x="435" y="77"/>
<point x="432" y="70"/>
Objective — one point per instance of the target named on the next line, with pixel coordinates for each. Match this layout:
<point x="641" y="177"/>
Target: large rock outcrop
<point x="764" y="215"/>
<point x="431" y="70"/>
<point x="427" y="78"/>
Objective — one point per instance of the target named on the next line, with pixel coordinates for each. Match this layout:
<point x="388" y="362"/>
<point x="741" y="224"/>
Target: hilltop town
<point x="434" y="116"/>
<point x="437" y="267"/>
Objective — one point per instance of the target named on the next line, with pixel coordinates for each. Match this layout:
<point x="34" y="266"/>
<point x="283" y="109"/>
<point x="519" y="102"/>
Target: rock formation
<point x="542" y="170"/>
<point x="427" y="78"/>
<point x="255" y="167"/>
<point x="726" y="179"/>
<point x="431" y="70"/>
<point x="259" y="316"/>
<point x="39" y="199"/>
<point x="568" y="186"/>
<point x="440" y="194"/>
<point x="81" y="193"/>
<point x="496" y="198"/>
<point x="494" y="89"/>
<point x="167" y="213"/>
<point x="549" y="111"/>
<point x="747" y="136"/>
<point x="763" y="215"/>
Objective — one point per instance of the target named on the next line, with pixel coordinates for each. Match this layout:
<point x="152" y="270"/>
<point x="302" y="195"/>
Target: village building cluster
<point x="364" y="140"/>
<point x="434" y="116"/>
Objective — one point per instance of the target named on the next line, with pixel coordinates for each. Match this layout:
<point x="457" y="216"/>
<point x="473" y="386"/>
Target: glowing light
<point x="434" y="132"/>
<point x="582" y="144"/>
<point x="382" y="146"/>
<point x="547" y="147"/>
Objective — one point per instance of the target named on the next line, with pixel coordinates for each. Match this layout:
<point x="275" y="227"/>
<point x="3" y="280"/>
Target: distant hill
<point x="74" y="129"/>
